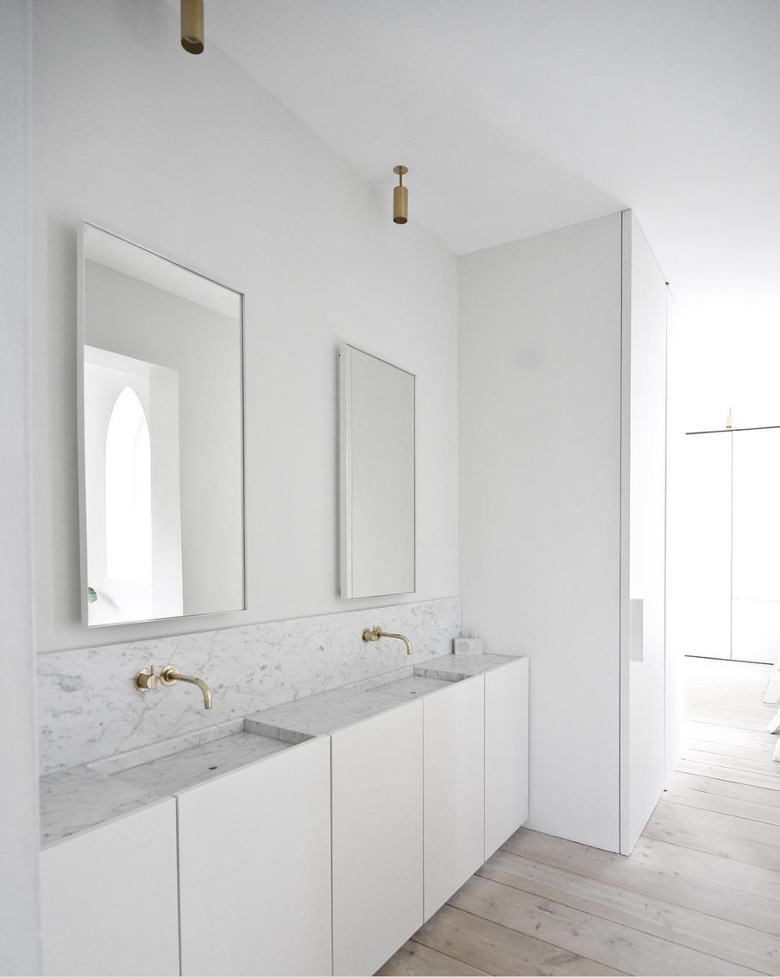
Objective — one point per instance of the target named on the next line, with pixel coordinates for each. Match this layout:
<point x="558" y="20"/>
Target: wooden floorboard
<point x="710" y="802"/>
<point x="689" y="928"/>
<point x="419" y="959"/>
<point x="501" y="950"/>
<point x="700" y="894"/>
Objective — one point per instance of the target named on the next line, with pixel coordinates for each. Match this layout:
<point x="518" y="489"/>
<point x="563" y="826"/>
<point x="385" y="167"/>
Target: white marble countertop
<point x="82" y="798"/>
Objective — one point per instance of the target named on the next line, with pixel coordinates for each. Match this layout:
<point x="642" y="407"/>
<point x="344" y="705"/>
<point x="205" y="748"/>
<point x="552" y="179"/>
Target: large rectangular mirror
<point x="161" y="436"/>
<point x="377" y="476"/>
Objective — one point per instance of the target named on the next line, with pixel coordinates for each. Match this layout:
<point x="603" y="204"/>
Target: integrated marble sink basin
<point x="78" y="799"/>
<point x="186" y="768"/>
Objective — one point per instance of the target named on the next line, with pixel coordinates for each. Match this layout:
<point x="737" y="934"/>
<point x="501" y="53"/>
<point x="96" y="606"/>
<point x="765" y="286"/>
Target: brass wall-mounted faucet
<point x="375" y="633"/>
<point x="146" y="680"/>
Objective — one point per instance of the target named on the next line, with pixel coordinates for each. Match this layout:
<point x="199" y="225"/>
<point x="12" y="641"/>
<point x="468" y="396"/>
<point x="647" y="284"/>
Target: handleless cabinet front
<point x="109" y="899"/>
<point x="454" y="788"/>
<point x="377" y="779"/>
<point x="506" y="752"/>
<point x="254" y="868"/>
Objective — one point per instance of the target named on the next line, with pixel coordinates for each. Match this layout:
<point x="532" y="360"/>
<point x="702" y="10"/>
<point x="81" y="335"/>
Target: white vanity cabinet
<point x="377" y="784"/>
<point x="454" y="723"/>
<point x="254" y="868"/>
<point x="506" y="752"/>
<point x="109" y="900"/>
<point x="317" y="858"/>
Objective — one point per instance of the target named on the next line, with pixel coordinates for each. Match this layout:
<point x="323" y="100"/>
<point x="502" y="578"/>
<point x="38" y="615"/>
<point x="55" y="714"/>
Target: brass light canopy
<point x="192" y="26"/>
<point x="400" y="197"/>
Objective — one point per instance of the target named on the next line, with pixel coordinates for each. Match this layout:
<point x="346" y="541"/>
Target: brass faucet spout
<point x="375" y="633"/>
<point x="171" y="674"/>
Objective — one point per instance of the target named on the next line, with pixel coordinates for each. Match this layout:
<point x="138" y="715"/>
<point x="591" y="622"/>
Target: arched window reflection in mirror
<point x="128" y="492"/>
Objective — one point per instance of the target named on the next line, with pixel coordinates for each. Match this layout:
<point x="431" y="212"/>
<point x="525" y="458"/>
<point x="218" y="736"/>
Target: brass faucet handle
<point x="145" y="680"/>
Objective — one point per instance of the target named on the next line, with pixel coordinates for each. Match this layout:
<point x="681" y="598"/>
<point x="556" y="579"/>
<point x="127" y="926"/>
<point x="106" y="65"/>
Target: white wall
<point x="540" y="502"/>
<point x="729" y="362"/>
<point x="189" y="157"/>
<point x="19" y="927"/>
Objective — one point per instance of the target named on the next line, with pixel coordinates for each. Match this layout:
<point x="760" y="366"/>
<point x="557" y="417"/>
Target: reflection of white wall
<point x="204" y="348"/>
<point x="380" y="421"/>
<point x="123" y="597"/>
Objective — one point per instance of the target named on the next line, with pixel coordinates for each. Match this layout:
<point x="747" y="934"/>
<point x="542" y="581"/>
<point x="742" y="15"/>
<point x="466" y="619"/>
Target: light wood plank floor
<point x="700" y="894"/>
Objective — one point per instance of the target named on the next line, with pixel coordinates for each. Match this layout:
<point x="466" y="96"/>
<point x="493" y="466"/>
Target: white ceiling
<point x="518" y="116"/>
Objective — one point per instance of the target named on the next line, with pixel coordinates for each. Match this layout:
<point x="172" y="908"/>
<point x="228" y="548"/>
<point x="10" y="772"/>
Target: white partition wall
<point x="540" y="503"/>
<point x="541" y="381"/>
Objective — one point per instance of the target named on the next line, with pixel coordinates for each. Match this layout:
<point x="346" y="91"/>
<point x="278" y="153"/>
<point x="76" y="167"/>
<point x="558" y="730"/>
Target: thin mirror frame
<point x="345" y="588"/>
<point x="81" y="335"/>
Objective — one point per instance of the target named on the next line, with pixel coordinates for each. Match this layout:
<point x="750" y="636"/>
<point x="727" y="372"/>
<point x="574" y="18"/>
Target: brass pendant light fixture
<point x="192" y="26"/>
<point x="400" y="197"/>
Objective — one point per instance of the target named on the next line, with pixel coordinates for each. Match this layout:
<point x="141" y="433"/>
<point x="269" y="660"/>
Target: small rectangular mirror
<point x="377" y="476"/>
<point x="161" y="436"/>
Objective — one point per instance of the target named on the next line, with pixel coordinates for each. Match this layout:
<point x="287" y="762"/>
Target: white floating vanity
<point x="311" y="839"/>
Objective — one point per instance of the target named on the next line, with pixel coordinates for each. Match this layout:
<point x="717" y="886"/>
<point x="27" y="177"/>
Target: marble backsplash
<point x="88" y="709"/>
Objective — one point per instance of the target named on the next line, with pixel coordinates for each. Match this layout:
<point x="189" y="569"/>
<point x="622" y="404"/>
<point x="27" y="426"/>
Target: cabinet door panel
<point x="704" y="506"/>
<point x="109" y="898"/>
<point x="755" y="631"/>
<point x="756" y="533"/>
<point x="454" y="723"/>
<point x="506" y="752"/>
<point x="377" y="838"/>
<point x="254" y="868"/>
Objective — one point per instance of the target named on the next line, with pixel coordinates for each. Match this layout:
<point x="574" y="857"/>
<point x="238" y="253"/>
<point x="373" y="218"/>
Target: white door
<point x="506" y="752"/>
<point x="454" y="780"/>
<point x="109" y="899"/>
<point x="254" y="868"/>
<point x="377" y="783"/>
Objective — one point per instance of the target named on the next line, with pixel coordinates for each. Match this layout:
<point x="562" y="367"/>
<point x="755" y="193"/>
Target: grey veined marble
<point x="84" y="797"/>
<point x="88" y="709"/>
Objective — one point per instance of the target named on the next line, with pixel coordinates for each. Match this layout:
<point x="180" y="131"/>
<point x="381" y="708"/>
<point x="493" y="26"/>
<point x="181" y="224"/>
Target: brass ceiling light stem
<point x="192" y="26"/>
<point x="400" y="197"/>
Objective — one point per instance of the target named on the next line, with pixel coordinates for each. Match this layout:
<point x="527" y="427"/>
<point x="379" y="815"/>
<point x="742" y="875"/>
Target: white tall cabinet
<point x="562" y="476"/>
<point x="731" y="592"/>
